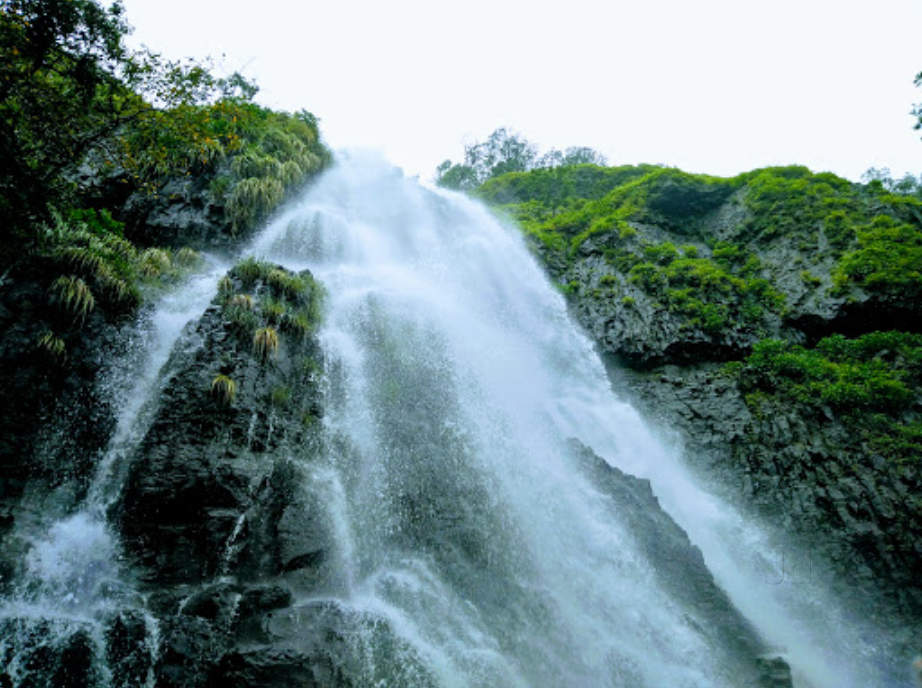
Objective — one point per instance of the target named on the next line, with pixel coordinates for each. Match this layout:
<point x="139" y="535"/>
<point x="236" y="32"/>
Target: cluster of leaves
<point x="917" y="108"/>
<point x="97" y="267"/>
<point x="87" y="248"/>
<point x="260" y="300"/>
<point x="59" y="94"/>
<point x="504" y="152"/>
<point x="792" y="202"/>
<point x="649" y="194"/>
<point x="880" y="371"/>
<point x="712" y="293"/>
<point x="875" y="380"/>
<point x="887" y="260"/>
<point x="881" y="177"/>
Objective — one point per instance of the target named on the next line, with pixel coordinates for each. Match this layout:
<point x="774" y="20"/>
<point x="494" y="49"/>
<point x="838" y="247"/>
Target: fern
<point x="52" y="345"/>
<point x="73" y="294"/>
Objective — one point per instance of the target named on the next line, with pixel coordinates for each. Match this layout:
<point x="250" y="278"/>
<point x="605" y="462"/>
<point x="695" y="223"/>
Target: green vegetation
<point x="93" y="136"/>
<point x="873" y="380"/>
<point x="71" y="94"/>
<point x="276" y="301"/>
<point x="716" y="283"/>
<point x="224" y="390"/>
<point x="72" y="294"/>
<point x="53" y="346"/>
<point x="265" y="342"/>
<point x="887" y="260"/>
<point x="505" y="152"/>
<point x="733" y="260"/>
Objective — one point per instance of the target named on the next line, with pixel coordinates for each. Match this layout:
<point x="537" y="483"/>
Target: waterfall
<point x="462" y="514"/>
<point x="463" y="378"/>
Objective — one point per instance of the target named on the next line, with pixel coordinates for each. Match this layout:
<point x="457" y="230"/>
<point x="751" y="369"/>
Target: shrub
<point x="265" y="343"/>
<point x="224" y="390"/>
<point x="73" y="294"/>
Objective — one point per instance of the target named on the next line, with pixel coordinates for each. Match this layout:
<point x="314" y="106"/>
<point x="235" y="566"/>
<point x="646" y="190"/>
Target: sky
<point x="715" y="86"/>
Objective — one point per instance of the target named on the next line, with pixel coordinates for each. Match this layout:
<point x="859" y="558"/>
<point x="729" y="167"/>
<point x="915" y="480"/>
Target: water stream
<point x="456" y="379"/>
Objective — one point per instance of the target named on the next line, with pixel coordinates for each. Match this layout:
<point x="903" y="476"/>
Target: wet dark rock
<point x="128" y="653"/>
<point x="211" y="481"/>
<point x="216" y="513"/>
<point x="182" y="213"/>
<point x="54" y="419"/>
<point x="775" y="672"/>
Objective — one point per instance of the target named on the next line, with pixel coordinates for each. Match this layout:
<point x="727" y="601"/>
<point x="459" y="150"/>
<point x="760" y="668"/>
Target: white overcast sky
<point x="717" y="86"/>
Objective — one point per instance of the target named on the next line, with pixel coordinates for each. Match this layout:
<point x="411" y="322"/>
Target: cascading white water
<point x="462" y="518"/>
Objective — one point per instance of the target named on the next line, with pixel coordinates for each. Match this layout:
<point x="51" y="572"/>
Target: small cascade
<point x="73" y="602"/>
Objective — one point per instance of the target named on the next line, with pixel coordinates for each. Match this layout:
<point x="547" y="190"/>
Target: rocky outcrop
<point x="680" y="569"/>
<point x="55" y="418"/>
<point x="220" y="514"/>
<point x="672" y="282"/>
<point x="806" y="471"/>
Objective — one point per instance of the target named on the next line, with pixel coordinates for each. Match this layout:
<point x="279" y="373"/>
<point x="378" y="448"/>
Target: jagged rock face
<point x="680" y="569"/>
<point x="809" y="473"/>
<point x="800" y="467"/>
<point x="182" y="213"/>
<point x="218" y="514"/>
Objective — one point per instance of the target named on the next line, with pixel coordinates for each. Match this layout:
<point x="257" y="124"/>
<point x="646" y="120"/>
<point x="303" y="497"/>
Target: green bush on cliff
<point x="880" y="371"/>
<point x="888" y="260"/>
<point x="874" y="381"/>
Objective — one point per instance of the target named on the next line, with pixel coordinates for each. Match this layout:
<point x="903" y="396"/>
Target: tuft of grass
<point x="73" y="294"/>
<point x="265" y="342"/>
<point x="224" y="389"/>
<point x="298" y="324"/>
<point x="273" y="311"/>
<point x="52" y="345"/>
<point x="250" y="271"/>
<point x="244" y="301"/>
<point x="187" y="257"/>
<point x="154" y="262"/>
<point x="286" y="284"/>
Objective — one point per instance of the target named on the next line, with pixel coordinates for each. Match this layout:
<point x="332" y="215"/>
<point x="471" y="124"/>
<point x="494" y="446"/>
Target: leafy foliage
<point x="888" y="260"/>
<point x="504" y="152"/>
<point x="93" y="250"/>
<point x="73" y="295"/>
<point x="224" y="389"/>
<point x="71" y="93"/>
<point x="874" y="380"/>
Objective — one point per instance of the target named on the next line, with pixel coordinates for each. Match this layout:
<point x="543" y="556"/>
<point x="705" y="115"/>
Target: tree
<point x="503" y="152"/>
<point x="917" y="108"/>
<point x="58" y="93"/>
<point x="68" y="86"/>
<point x="576" y="155"/>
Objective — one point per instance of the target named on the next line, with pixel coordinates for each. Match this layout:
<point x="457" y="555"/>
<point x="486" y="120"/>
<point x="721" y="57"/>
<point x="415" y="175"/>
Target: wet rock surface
<point x="219" y="516"/>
